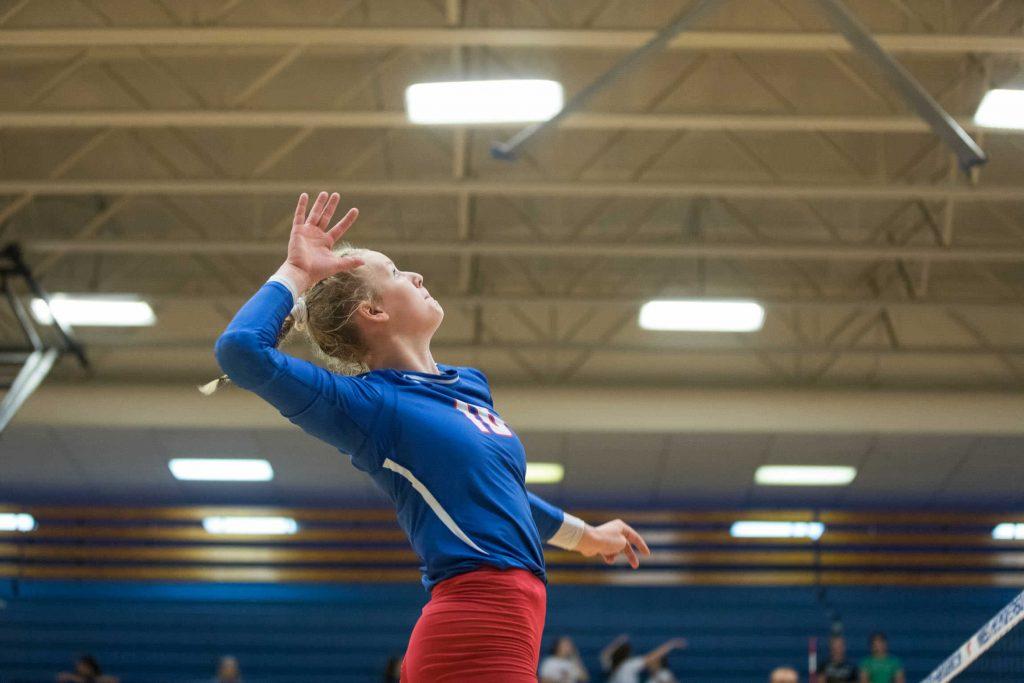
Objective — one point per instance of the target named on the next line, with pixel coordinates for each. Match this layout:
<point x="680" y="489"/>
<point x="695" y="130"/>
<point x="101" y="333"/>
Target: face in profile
<point x="402" y="295"/>
<point x="837" y="648"/>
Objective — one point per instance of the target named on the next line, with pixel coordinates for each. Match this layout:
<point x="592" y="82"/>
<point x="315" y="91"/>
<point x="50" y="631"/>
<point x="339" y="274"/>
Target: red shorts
<point x="483" y="626"/>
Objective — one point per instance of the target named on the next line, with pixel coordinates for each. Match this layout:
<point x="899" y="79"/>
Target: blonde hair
<point x="331" y="306"/>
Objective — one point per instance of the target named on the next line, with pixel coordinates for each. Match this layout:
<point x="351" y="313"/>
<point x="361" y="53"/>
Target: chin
<point x="438" y="317"/>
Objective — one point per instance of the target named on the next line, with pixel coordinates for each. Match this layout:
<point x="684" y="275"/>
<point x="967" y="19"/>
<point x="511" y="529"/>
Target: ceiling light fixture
<point x="250" y="525"/>
<point x="94" y="311"/>
<point x="751" y="528"/>
<point x="544" y="472"/>
<point x="805" y="475"/>
<point x="221" y="469"/>
<point x="1001" y="108"/>
<point x="498" y="101"/>
<point x="693" y="315"/>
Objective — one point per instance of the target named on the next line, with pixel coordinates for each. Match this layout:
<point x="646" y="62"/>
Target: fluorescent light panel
<point x="17" y="521"/>
<point x="692" y="315"/>
<point x="750" y="528"/>
<point x="804" y="475"/>
<point x="98" y="311"/>
<point x="544" y="472"/>
<point x="1008" y="531"/>
<point x="250" y="525"/>
<point x="221" y="469"/>
<point x="1001" y="108"/>
<point x="496" y="101"/>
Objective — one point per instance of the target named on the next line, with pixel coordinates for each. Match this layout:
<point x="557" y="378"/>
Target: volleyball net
<point x="994" y="653"/>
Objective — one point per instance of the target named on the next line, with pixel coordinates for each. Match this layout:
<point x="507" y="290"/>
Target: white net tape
<point x="984" y="638"/>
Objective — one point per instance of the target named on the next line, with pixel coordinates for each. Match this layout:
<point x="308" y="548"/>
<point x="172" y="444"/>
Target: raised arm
<point x="607" y="650"/>
<point x="338" y="410"/>
<point x="655" y="655"/>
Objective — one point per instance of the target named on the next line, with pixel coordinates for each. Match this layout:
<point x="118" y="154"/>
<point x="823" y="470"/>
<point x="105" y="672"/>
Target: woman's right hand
<point x="310" y="255"/>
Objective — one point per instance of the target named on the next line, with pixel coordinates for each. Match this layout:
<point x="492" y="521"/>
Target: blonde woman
<point x="428" y="436"/>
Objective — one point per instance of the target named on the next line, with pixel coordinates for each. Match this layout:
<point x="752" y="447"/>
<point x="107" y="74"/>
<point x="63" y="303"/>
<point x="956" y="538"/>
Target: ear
<point x="372" y="313"/>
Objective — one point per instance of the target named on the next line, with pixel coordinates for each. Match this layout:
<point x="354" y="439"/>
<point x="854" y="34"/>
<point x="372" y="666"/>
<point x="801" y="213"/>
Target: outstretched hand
<point x="310" y="243"/>
<point x="612" y="539"/>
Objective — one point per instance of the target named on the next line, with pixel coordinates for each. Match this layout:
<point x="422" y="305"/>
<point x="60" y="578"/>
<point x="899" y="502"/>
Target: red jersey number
<point x="483" y="419"/>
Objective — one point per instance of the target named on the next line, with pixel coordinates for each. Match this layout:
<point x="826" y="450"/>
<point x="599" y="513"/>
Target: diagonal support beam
<point x="87" y="231"/>
<point x="508" y="149"/>
<point x="31" y="375"/>
<point x="945" y="126"/>
<point x="20" y="202"/>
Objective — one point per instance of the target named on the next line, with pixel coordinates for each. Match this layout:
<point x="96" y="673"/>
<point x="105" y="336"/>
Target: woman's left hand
<point x="612" y="539"/>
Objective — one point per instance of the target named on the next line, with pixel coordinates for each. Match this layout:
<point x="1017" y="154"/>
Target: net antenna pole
<point x="507" y="150"/>
<point x="968" y="152"/>
<point x="37" y="356"/>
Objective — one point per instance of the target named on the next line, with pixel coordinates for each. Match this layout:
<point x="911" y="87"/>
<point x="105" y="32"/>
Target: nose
<point x="417" y="279"/>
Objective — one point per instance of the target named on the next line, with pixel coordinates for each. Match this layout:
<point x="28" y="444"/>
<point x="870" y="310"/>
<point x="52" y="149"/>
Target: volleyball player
<point x="429" y="437"/>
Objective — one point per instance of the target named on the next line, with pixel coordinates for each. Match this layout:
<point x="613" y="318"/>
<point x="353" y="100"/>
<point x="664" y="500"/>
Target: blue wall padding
<point x="293" y="633"/>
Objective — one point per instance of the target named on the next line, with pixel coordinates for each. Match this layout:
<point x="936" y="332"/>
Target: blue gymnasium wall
<point x="291" y="633"/>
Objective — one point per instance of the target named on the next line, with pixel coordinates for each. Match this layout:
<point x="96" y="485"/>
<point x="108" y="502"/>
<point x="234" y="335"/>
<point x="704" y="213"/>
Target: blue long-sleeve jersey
<point x="432" y="442"/>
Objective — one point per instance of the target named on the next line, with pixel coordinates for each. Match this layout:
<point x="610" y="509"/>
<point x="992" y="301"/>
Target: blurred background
<point x="151" y="152"/>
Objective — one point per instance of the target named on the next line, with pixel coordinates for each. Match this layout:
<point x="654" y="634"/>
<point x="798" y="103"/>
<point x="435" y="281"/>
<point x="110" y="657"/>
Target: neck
<point x="402" y="354"/>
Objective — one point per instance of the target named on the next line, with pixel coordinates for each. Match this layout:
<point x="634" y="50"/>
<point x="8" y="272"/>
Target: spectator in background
<point x="784" y="674"/>
<point x="838" y="669"/>
<point x="881" y="667"/>
<point x="228" y="670"/>
<point x="661" y="673"/>
<point x="393" y="670"/>
<point x="621" y="666"/>
<point x="563" y="664"/>
<point x="87" y="670"/>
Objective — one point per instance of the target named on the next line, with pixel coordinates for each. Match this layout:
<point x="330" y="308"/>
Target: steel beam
<point x="30" y="376"/>
<point x="613" y="301"/>
<point x="718" y="349"/>
<point x="693" y="13"/>
<point x="629" y="407"/>
<point x="517" y="188"/>
<point x="348" y="38"/>
<point x="945" y="127"/>
<point x="667" y="250"/>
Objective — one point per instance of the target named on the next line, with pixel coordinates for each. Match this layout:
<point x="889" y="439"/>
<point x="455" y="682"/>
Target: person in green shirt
<point x="881" y="667"/>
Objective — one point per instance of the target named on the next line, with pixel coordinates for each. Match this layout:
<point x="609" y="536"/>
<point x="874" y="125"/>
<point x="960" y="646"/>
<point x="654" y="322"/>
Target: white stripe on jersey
<point x="432" y="502"/>
<point x="435" y="380"/>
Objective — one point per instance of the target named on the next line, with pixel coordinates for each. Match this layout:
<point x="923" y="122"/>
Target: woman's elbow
<point x="242" y="358"/>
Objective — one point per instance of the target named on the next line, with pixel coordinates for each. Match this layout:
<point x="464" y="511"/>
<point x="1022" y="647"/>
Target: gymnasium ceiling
<point x="156" y="147"/>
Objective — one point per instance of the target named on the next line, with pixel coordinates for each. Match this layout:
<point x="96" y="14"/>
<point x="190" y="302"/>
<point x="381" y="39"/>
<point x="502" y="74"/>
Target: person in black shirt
<point x="838" y="669"/>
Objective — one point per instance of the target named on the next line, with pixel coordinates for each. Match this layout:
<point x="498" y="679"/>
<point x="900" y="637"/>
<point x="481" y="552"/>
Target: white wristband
<point x="569" y="534"/>
<point x="287" y="282"/>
